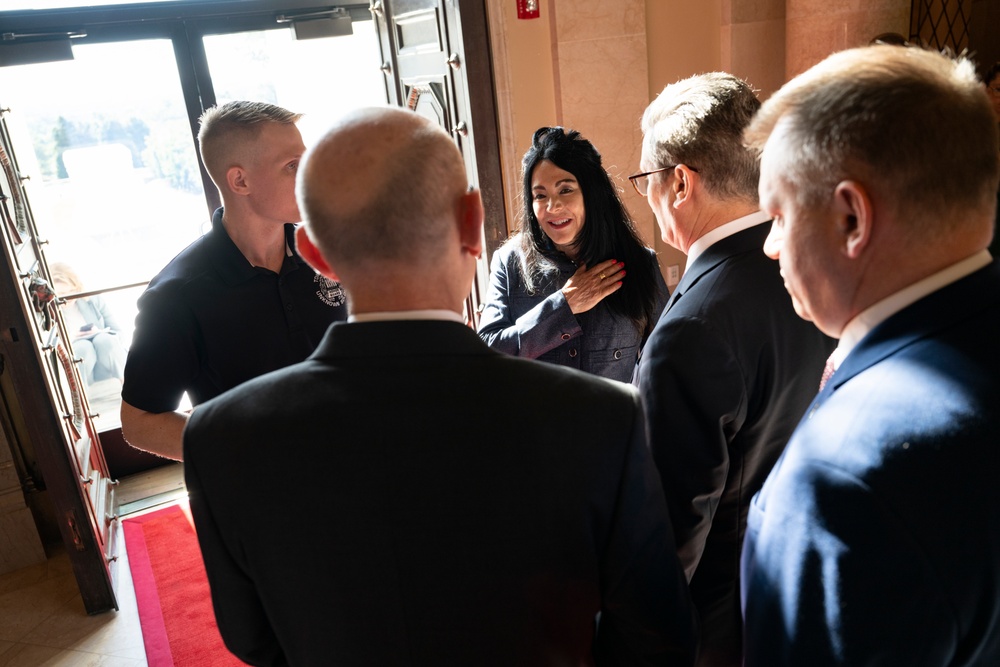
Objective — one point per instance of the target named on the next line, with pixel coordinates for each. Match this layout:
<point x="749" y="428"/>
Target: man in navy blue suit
<point x="876" y="537"/>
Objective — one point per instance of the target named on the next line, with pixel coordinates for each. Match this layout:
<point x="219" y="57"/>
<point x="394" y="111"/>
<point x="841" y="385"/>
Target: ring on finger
<point x="603" y="276"/>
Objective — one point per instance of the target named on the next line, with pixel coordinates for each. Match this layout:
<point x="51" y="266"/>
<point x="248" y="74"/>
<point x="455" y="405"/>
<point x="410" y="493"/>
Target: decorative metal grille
<point x="940" y="23"/>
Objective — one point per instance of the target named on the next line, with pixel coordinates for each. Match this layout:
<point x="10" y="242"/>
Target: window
<point x="306" y="76"/>
<point x="108" y="138"/>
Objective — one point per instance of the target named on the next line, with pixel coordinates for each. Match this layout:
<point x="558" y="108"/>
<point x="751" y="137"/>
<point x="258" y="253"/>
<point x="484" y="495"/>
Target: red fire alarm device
<point x="527" y="9"/>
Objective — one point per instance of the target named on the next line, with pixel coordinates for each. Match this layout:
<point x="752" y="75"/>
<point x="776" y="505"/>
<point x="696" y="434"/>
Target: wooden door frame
<point x="483" y="109"/>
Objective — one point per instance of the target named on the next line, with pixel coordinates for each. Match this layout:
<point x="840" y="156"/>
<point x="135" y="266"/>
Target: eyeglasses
<point x="641" y="181"/>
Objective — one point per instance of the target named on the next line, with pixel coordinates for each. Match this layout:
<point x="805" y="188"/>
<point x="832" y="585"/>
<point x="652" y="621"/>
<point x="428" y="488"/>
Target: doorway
<point x="99" y="111"/>
<point x="102" y="104"/>
<point x="107" y="140"/>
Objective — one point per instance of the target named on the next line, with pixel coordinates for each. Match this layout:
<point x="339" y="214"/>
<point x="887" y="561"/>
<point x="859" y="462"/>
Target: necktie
<point x="828" y="370"/>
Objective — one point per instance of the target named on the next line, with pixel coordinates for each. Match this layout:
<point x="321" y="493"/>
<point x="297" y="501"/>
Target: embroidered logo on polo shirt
<point x="330" y="292"/>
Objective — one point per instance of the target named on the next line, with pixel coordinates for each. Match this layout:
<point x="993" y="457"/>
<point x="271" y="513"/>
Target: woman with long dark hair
<point x="575" y="286"/>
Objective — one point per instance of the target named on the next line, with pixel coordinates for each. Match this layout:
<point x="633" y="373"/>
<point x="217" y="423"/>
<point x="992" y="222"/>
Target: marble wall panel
<point x="799" y="9"/>
<point x="747" y="11"/>
<point x="810" y="39"/>
<point x="757" y="54"/>
<point x="581" y="20"/>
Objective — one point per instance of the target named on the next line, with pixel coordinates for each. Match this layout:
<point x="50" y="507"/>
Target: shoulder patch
<point x="330" y="292"/>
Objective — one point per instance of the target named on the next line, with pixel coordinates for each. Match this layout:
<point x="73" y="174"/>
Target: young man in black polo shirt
<point x="238" y="302"/>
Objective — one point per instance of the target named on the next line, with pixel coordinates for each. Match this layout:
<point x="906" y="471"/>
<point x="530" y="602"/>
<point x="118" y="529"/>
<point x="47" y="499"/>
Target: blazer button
<point x="572" y="352"/>
<point x="566" y="336"/>
<point x="618" y="354"/>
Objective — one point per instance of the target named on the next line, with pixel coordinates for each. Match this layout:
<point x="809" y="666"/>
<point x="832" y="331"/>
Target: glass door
<point x="306" y="76"/>
<point x="114" y="185"/>
<point x="108" y="142"/>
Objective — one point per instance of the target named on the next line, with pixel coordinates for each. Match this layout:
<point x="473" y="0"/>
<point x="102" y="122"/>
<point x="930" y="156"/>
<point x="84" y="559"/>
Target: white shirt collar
<point x="407" y="315"/>
<point x="723" y="231"/>
<point x="879" y="312"/>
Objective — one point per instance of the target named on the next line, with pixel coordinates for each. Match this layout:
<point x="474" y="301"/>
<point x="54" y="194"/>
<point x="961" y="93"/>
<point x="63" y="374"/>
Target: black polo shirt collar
<point x="232" y="265"/>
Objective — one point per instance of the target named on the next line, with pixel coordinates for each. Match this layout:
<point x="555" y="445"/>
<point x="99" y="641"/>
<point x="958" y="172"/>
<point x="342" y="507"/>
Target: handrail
<point x="84" y="295"/>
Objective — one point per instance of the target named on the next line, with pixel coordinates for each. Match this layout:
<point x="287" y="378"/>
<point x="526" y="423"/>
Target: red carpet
<point x="171" y="590"/>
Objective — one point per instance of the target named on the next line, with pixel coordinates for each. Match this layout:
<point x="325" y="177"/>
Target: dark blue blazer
<point x="876" y="539"/>
<point x="408" y="496"/>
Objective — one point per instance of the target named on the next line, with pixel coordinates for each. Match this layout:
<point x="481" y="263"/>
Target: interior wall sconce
<point x="527" y="9"/>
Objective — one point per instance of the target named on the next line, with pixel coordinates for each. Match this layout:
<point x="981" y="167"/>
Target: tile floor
<point x="43" y="622"/>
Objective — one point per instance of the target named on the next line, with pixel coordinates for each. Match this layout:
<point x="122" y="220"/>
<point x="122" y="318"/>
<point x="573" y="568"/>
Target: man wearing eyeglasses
<point x="729" y="368"/>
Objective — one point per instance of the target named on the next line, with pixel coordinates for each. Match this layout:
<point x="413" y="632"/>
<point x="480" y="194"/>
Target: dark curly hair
<point x="608" y="233"/>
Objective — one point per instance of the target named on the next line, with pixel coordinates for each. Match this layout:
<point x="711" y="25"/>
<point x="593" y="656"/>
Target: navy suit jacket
<point x="725" y="376"/>
<point x="876" y="539"/>
<point x="408" y="496"/>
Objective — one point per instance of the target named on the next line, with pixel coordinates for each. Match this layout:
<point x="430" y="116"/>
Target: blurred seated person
<point x="93" y="330"/>
<point x="576" y="286"/>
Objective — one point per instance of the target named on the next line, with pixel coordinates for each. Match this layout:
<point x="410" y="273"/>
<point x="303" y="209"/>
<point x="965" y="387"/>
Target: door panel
<point x="55" y="435"/>
<point x="428" y="99"/>
<point x="427" y="70"/>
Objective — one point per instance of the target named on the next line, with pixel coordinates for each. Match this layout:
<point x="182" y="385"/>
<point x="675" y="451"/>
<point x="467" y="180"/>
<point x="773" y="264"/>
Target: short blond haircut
<point x="915" y="122"/>
<point x="228" y="133"/>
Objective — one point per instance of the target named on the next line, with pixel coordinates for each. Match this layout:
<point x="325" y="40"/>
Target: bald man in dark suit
<point x="378" y="504"/>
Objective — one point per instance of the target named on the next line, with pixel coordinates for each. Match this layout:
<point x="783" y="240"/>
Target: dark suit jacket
<point x="408" y="496"/>
<point x="725" y="376"/>
<point x="876" y="539"/>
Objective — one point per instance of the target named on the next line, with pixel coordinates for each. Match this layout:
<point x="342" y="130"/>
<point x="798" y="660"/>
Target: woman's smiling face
<point x="558" y="204"/>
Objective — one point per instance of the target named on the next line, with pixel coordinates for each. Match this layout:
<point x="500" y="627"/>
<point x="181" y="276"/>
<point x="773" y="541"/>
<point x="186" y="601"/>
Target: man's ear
<point x="236" y="179"/>
<point x="309" y="252"/>
<point x="683" y="184"/>
<point x="470" y="222"/>
<point x="854" y="216"/>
